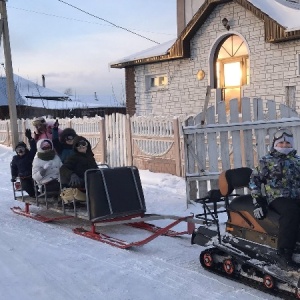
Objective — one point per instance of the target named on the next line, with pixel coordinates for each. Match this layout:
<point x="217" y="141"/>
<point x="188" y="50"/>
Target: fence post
<point x="102" y="140"/>
<point x="177" y="146"/>
<point x="128" y="137"/>
<point x="7" y="132"/>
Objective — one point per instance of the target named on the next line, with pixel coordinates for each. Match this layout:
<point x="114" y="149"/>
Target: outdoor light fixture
<point x="225" y="23"/>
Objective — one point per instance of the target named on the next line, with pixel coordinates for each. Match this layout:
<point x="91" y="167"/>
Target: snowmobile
<point x="248" y="247"/>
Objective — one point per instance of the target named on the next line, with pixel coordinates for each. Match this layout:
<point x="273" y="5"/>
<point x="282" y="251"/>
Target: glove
<point x="74" y="181"/>
<point x="258" y="212"/>
<point x="13" y="179"/>
<point x="56" y="124"/>
<point x="28" y="134"/>
<point x="43" y="172"/>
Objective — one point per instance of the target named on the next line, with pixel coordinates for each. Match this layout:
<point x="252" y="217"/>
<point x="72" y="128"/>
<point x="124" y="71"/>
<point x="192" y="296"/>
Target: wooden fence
<point x="231" y="140"/>
<point x="151" y="143"/>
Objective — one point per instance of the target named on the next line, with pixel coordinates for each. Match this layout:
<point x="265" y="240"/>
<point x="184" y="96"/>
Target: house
<point x="228" y="48"/>
<point x="34" y="100"/>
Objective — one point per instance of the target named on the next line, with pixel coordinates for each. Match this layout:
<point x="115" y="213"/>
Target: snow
<point x="150" y="52"/>
<point x="26" y="88"/>
<point x="286" y="14"/>
<point x="48" y="261"/>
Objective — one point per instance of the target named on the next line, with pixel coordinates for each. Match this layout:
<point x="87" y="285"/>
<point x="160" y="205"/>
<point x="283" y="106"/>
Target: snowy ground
<point x="48" y="261"/>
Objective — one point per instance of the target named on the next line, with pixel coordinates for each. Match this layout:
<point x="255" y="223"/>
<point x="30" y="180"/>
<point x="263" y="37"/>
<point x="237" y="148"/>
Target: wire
<point x="77" y="20"/>
<point x="108" y="22"/>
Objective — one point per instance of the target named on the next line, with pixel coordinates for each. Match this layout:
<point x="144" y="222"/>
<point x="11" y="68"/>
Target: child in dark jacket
<point x="63" y="142"/>
<point x="73" y="169"/>
<point x="21" y="165"/>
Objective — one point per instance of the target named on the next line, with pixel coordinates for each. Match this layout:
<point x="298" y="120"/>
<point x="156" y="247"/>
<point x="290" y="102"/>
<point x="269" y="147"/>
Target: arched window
<point x="232" y="67"/>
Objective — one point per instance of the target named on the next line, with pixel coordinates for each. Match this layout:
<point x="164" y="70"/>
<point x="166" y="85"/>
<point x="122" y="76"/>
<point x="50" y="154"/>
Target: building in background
<point x="34" y="100"/>
<point x="232" y="48"/>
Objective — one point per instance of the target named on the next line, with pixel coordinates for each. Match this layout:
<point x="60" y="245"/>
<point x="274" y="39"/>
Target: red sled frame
<point x="133" y="219"/>
<point x="26" y="213"/>
<point x="137" y="223"/>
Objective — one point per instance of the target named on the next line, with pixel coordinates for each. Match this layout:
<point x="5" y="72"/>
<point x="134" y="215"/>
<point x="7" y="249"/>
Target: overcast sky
<point x="73" y="49"/>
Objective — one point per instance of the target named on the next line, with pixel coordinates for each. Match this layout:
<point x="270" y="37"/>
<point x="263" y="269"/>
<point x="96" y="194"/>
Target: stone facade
<point x="273" y="67"/>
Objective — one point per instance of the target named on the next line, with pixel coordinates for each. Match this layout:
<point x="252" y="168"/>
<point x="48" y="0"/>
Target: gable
<point x="274" y="32"/>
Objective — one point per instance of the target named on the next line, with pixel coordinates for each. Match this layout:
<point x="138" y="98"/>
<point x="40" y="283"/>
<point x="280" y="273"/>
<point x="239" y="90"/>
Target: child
<point x="43" y="129"/>
<point x="73" y="169"/>
<point x="63" y="143"/>
<point x="21" y="165"/>
<point x="46" y="164"/>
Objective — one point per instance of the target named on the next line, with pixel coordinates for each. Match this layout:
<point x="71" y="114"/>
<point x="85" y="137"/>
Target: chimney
<point x="43" y="79"/>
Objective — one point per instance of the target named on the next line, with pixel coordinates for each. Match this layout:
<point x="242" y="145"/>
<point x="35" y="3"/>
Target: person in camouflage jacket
<point x="275" y="184"/>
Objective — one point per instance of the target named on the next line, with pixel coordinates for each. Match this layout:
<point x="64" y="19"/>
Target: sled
<point x="114" y="196"/>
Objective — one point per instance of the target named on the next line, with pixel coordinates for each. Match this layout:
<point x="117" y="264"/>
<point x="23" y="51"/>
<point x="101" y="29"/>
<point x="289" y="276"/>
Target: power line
<point x="108" y="22"/>
<point x="77" y="20"/>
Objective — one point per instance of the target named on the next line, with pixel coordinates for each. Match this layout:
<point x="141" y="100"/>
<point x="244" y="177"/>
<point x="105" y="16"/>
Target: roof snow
<point x="285" y="13"/>
<point x="31" y="94"/>
<point x="150" y="52"/>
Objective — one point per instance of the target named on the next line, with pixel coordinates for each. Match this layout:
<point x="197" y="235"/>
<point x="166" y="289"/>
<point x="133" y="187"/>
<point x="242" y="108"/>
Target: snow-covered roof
<point x="27" y="88"/>
<point x="97" y="100"/>
<point x="284" y="12"/>
<point x="28" y="93"/>
<point x="161" y="49"/>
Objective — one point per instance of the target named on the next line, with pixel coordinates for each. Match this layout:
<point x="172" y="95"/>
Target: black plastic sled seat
<point x="114" y="192"/>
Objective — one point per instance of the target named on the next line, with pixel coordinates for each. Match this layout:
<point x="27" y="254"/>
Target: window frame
<point x="156" y="77"/>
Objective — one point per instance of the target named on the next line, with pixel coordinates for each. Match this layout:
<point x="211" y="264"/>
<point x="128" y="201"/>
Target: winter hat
<point x="65" y="133"/>
<point x="21" y="145"/>
<point x="44" y="145"/>
<point x="21" y="148"/>
<point x="79" y="139"/>
<point x="38" y="121"/>
<point x="283" y="136"/>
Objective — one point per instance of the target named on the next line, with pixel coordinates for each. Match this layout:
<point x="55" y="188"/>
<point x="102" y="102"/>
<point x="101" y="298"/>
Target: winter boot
<point x="285" y="260"/>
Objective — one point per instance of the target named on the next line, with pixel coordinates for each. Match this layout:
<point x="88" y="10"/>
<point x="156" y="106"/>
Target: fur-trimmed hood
<point x="40" y="142"/>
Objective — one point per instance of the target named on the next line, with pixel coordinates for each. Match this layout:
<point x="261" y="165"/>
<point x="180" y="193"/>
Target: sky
<point x="73" y="49"/>
<point x="47" y="261"/>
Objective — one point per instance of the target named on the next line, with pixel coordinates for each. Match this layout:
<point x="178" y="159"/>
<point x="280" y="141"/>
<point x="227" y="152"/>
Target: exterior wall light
<point x="225" y="23"/>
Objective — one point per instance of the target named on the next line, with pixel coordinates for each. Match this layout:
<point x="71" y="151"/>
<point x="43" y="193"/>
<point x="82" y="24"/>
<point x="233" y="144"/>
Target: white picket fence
<point x="231" y="140"/>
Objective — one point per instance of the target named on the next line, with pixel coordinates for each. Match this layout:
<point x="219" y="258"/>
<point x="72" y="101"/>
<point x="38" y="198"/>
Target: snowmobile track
<point x="251" y="283"/>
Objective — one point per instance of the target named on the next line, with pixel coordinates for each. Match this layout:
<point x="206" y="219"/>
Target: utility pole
<point x="9" y="75"/>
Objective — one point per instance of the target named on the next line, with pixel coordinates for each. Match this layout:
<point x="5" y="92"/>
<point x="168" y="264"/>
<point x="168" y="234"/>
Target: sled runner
<point x="114" y="196"/>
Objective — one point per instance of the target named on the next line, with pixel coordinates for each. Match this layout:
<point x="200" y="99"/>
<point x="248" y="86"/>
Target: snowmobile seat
<point x="240" y="209"/>
<point x="232" y="179"/>
<point x="114" y="192"/>
<point x="244" y="205"/>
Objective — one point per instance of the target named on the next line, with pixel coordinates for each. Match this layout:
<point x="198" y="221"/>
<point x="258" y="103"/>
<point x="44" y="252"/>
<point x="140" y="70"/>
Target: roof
<point x="28" y="93"/>
<point x="98" y="101"/>
<point x="281" y="20"/>
<point x="150" y="55"/>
